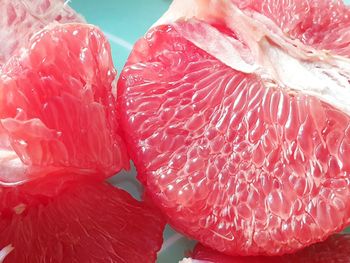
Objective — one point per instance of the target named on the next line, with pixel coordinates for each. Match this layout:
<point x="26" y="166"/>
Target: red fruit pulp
<point x="58" y="125"/>
<point x="235" y="159"/>
<point x="76" y="219"/>
<point x="334" y="249"/>
<point x="57" y="107"/>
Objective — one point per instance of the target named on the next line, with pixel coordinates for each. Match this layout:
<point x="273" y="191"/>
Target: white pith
<point x="12" y="168"/>
<point x="4" y="252"/>
<point x="268" y="52"/>
<point x="190" y="260"/>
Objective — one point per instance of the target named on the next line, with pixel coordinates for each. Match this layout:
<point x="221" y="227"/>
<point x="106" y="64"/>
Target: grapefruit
<point x="76" y="219"/>
<point x="334" y="249"/>
<point x="57" y="107"/>
<point x="21" y="19"/>
<point x="237" y="119"/>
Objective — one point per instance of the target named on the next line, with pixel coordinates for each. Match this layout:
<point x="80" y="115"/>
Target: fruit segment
<point x="230" y="136"/>
<point x="57" y="107"/>
<point x="76" y="219"/>
<point x="334" y="249"/>
<point x="20" y="19"/>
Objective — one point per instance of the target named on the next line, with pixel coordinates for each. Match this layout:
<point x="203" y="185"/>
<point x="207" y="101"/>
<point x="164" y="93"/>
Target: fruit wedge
<point x="76" y="218"/>
<point x="236" y="115"/>
<point x="57" y="107"/>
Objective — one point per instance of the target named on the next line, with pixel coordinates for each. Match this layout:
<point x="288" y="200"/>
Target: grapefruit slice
<point x="57" y="107"/>
<point x="20" y="19"/>
<point x="238" y="129"/>
<point x="76" y="219"/>
<point x="334" y="249"/>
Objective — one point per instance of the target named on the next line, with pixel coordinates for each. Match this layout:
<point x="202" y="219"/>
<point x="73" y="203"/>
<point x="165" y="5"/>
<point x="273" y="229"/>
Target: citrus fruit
<point x="76" y="219"/>
<point x="21" y="19"/>
<point x="57" y="107"/>
<point x="237" y="119"/>
<point x="335" y="249"/>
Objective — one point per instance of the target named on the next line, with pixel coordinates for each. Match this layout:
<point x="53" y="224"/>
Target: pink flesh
<point x="241" y="167"/>
<point x="57" y="109"/>
<point x="76" y="219"/>
<point x="322" y="24"/>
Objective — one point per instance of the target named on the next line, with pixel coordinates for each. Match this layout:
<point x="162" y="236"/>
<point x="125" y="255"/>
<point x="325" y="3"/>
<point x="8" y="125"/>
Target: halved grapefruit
<point x="237" y="119"/>
<point x="76" y="219"/>
<point x="57" y="107"/>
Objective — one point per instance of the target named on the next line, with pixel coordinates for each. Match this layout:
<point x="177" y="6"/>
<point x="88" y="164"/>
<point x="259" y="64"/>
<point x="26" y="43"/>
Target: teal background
<point x="124" y="22"/>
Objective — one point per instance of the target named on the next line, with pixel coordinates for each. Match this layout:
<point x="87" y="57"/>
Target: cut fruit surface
<point x="334" y="249"/>
<point x="76" y="219"/>
<point x="57" y="107"/>
<point x="230" y="134"/>
<point x="21" y="19"/>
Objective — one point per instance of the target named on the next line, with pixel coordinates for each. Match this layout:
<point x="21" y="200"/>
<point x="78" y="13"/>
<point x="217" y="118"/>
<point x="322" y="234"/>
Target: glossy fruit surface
<point x="57" y="107"/>
<point x="238" y="129"/>
<point x="76" y="219"/>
